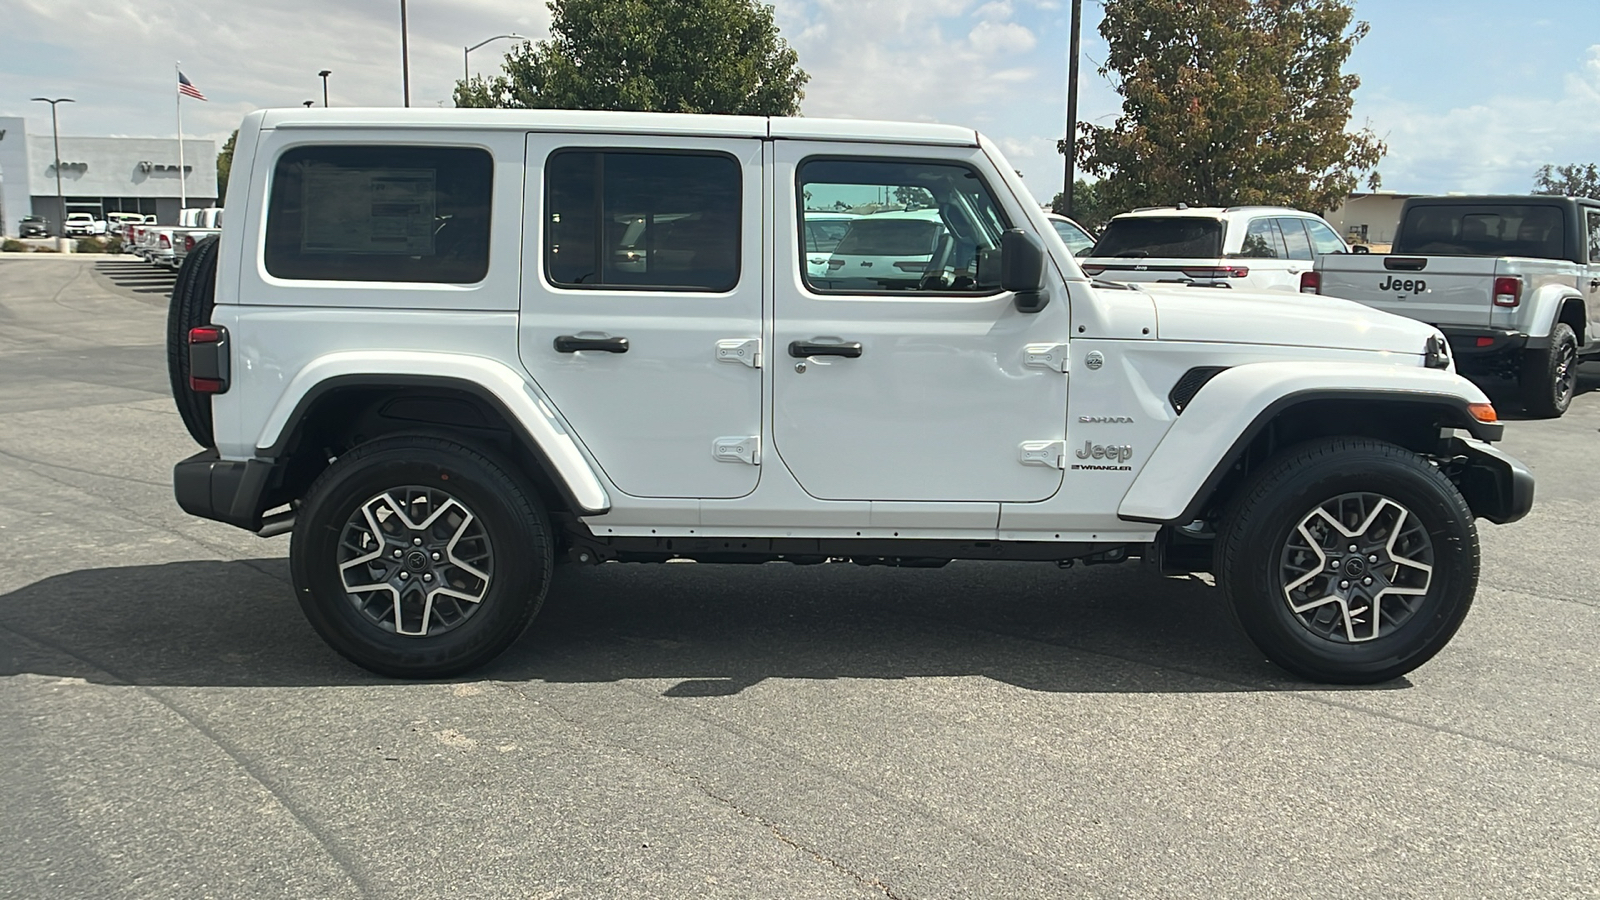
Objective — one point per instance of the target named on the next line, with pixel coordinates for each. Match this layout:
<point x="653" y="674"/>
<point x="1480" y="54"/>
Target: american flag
<point x="187" y="89"/>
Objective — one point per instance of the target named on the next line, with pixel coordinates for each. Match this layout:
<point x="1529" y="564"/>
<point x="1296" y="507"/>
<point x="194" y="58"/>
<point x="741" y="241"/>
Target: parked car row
<point x="167" y="245"/>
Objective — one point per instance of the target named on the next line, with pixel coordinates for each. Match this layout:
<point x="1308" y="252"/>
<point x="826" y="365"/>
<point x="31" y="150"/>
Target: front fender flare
<point x="523" y="404"/>
<point x="1218" y="425"/>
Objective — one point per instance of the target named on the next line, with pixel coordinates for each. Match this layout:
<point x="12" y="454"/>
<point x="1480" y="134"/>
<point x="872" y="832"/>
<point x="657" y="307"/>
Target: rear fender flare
<point x="1546" y="305"/>
<point x="1219" y="424"/>
<point x="516" y="397"/>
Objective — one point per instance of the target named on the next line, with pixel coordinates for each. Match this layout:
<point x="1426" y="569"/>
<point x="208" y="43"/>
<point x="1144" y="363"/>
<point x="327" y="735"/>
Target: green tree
<point x="225" y="166"/>
<point x="1568" y="181"/>
<point x="690" y="56"/>
<point x="1088" y="206"/>
<point x="1229" y="102"/>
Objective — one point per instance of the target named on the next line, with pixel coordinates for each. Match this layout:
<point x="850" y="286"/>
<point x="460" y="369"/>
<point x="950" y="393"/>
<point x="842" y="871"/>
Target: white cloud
<point x="1492" y="146"/>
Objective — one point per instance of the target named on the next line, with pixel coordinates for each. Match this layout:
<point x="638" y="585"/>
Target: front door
<point x="641" y="305"/>
<point x="900" y="370"/>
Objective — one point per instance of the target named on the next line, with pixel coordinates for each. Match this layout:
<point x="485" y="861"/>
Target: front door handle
<point x="804" y="349"/>
<point x="568" y="343"/>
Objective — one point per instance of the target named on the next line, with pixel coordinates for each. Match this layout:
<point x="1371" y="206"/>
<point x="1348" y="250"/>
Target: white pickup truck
<point x="1513" y="282"/>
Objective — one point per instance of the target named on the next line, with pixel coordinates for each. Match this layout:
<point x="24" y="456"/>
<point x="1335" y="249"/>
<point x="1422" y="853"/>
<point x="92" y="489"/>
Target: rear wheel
<point x="1349" y="560"/>
<point x="420" y="557"/>
<point x="194" y="295"/>
<point x="1550" y="376"/>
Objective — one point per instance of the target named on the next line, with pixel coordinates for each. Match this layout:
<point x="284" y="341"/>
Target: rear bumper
<point x="1496" y="484"/>
<point x="224" y="490"/>
<point x="1483" y="342"/>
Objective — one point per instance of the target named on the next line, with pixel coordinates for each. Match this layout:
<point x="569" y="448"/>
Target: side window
<point x="1294" y="235"/>
<point x="910" y="226"/>
<point x="619" y="219"/>
<point x="1323" y="238"/>
<point x="380" y="213"/>
<point x="1262" y="241"/>
<point x="1593" y="216"/>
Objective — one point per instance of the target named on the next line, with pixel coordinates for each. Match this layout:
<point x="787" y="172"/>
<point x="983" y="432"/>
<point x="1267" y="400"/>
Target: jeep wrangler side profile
<point x="449" y="349"/>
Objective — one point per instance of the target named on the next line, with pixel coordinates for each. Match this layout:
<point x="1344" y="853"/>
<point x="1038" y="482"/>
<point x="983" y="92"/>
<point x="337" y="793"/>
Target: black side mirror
<point x="1360" y="248"/>
<point x="1022" y="270"/>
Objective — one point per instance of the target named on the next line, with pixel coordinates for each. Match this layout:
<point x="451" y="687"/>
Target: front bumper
<point x="224" y="490"/>
<point x="1495" y="484"/>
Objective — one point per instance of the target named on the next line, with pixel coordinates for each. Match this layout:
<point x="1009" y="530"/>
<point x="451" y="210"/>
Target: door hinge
<point x="746" y="351"/>
<point x="1046" y="356"/>
<point x="1050" y="454"/>
<point x="737" y="449"/>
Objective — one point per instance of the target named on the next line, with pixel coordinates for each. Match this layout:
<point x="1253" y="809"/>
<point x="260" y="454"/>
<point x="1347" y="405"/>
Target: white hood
<point x="1282" y="318"/>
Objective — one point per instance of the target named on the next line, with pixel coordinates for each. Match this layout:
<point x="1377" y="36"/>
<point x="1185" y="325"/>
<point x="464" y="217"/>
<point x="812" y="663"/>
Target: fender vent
<point x="1190" y="384"/>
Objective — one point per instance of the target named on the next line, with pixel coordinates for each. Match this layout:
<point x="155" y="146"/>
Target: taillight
<point x="1092" y="271"/>
<point x="1310" y="282"/>
<point x="1507" y="291"/>
<point x="166" y="242"/>
<point x="208" y="359"/>
<point x="188" y="242"/>
<point x="1216" y="272"/>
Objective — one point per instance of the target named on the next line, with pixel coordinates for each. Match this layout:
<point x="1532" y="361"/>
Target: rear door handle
<point x="804" y="349"/>
<point x="568" y="343"/>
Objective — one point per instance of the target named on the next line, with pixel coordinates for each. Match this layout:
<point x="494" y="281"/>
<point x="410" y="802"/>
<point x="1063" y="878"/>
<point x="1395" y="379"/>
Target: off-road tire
<point x="514" y="522"/>
<point x="1253" y="550"/>
<point x="1549" y="376"/>
<point x="194" y="294"/>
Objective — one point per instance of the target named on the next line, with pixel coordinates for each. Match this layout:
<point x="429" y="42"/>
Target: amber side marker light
<point x="1483" y="412"/>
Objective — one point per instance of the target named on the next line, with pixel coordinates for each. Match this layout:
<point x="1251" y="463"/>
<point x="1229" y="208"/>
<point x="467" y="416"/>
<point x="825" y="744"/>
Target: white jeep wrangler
<point x="449" y="349"/>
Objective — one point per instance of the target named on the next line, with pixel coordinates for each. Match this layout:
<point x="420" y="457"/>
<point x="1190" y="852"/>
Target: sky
<point x="1471" y="95"/>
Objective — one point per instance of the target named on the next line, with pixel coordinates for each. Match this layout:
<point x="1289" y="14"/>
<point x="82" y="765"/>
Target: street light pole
<point x="324" y="76"/>
<point x="466" y="70"/>
<point x="1072" y="106"/>
<point x="55" y="134"/>
<point x="405" y="55"/>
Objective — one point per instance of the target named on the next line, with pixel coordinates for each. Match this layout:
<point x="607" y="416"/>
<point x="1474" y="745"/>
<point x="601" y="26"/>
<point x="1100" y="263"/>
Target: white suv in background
<point x="1256" y="247"/>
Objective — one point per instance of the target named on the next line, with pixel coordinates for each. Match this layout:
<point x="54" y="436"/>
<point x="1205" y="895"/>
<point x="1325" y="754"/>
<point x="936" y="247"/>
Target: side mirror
<point x="1022" y="270"/>
<point x="1360" y="248"/>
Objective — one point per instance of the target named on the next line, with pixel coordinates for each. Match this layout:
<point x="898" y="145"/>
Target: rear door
<point x="1589" y="280"/>
<point x="641" y="305"/>
<point x="1161" y="248"/>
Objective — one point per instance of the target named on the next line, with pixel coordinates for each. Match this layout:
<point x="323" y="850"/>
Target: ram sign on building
<point x="99" y="175"/>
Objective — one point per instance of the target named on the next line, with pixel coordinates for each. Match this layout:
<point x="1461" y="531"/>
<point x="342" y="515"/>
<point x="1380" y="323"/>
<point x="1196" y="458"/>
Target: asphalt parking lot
<point x="173" y="728"/>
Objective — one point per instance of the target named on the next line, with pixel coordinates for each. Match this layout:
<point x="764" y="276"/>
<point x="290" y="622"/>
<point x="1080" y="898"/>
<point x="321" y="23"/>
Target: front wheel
<point x="1349" y="560"/>
<point x="419" y="557"/>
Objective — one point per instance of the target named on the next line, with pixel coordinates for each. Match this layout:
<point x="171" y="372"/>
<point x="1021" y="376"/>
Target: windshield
<point x="1173" y="237"/>
<point x="889" y="237"/>
<point x="1461" y="230"/>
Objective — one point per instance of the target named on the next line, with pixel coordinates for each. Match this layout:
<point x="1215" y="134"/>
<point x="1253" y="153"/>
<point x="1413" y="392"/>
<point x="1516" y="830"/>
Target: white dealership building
<point x="99" y="175"/>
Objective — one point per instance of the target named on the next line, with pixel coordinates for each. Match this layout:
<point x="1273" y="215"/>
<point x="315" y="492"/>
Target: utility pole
<point x="1072" y="105"/>
<point x="405" y="55"/>
<point x="324" y="76"/>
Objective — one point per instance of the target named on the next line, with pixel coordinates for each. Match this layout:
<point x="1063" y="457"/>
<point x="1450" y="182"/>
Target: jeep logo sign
<point x="1403" y="287"/>
<point x="1114" y="453"/>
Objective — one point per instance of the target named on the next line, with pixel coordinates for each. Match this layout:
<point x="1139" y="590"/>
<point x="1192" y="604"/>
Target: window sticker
<point x="369" y="211"/>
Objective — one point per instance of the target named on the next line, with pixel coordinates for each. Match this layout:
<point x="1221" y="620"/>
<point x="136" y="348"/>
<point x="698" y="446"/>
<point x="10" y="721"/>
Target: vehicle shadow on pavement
<point x="708" y="630"/>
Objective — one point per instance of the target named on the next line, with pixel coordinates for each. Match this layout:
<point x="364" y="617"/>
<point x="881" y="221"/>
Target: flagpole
<point x="183" y="188"/>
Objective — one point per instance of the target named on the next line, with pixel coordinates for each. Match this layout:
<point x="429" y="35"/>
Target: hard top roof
<point x="603" y="122"/>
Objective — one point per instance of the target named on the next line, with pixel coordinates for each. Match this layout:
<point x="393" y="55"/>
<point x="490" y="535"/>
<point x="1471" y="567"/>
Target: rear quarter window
<point x="380" y="213"/>
<point x="1175" y="237"/>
